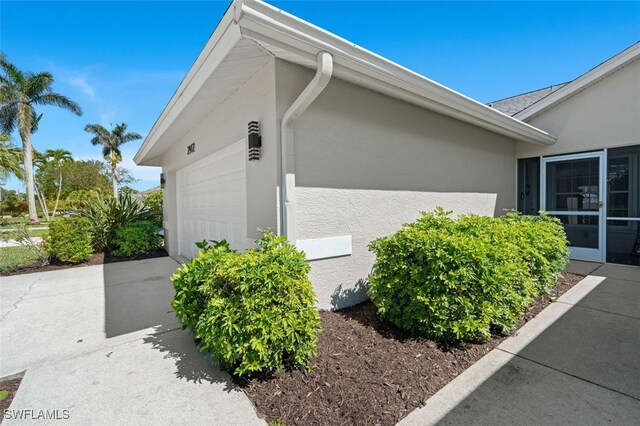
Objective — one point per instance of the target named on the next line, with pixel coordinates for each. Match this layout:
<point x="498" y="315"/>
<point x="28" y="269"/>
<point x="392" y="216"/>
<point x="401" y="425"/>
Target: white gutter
<point x="287" y="170"/>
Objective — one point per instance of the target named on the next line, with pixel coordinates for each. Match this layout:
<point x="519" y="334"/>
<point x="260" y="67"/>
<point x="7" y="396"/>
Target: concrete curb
<point x="447" y="398"/>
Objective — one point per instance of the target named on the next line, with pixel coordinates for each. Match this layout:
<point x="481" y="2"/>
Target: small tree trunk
<point x="114" y="178"/>
<point x="55" y="206"/>
<point x="28" y="175"/>
<point x="43" y="203"/>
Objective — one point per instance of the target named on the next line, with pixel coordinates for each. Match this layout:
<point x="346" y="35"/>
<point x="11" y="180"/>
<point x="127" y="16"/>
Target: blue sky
<point x="121" y="61"/>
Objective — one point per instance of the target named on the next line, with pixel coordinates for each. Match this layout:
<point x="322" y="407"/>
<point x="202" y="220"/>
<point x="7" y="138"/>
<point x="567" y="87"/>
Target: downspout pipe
<point x="287" y="170"/>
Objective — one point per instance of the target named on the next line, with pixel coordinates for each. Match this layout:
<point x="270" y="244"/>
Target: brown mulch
<point x="95" y="259"/>
<point x="368" y="372"/>
<point x="10" y="385"/>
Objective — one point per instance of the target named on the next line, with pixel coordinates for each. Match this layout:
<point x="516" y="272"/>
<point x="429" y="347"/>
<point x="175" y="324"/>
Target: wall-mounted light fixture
<point x="255" y="141"/>
<point x="162" y="180"/>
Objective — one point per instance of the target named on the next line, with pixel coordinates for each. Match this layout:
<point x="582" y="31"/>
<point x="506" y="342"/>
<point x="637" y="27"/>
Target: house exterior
<point x="350" y="145"/>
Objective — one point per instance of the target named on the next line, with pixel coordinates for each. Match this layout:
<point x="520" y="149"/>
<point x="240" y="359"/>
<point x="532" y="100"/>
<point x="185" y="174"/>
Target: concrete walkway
<point x="582" y="369"/>
<point x="103" y="343"/>
<point x="14" y="243"/>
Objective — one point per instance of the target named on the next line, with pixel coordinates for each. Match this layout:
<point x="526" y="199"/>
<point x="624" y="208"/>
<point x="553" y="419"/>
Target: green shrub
<point x="107" y="215"/>
<point x="459" y="280"/>
<point x="69" y="239"/>
<point x="253" y="311"/>
<point x="191" y="297"/>
<point x="137" y="238"/>
<point x="153" y="201"/>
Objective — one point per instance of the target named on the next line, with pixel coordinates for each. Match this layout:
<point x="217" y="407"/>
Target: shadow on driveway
<point x="137" y="295"/>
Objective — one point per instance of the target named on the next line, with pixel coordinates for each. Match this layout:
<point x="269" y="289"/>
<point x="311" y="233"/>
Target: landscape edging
<point x="456" y="391"/>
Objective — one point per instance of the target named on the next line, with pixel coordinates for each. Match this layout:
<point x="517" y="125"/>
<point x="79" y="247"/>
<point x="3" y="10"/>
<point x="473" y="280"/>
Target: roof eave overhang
<point x="586" y="80"/>
<point x="223" y="39"/>
<point x="269" y="26"/>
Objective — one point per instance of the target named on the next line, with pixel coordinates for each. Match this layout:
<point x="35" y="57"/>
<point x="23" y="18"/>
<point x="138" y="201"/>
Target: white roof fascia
<point x="223" y="39"/>
<point x="263" y="22"/>
<point x="591" y="77"/>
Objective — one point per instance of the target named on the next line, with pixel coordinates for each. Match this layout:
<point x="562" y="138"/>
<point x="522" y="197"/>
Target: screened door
<point x="623" y="205"/>
<point x="572" y="189"/>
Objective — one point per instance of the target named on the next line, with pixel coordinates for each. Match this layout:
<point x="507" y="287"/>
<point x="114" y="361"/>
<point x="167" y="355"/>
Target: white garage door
<point x="211" y="196"/>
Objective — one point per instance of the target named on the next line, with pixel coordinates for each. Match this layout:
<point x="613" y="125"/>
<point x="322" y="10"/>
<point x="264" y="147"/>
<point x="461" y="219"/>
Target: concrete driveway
<point x="584" y="369"/>
<point x="102" y="342"/>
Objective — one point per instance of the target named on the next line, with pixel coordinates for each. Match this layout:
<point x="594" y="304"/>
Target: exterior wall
<point x="365" y="163"/>
<point x="604" y="115"/>
<point x="225" y="125"/>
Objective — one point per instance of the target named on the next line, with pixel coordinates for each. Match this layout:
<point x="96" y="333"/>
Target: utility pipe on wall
<point x="288" y="177"/>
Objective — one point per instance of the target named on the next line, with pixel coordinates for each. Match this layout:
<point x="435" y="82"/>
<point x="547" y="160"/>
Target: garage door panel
<point x="212" y="201"/>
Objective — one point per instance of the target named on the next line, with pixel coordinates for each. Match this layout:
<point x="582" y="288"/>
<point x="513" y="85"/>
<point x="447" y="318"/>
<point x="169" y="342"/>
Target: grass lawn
<point x="17" y="221"/>
<point x="15" y="257"/>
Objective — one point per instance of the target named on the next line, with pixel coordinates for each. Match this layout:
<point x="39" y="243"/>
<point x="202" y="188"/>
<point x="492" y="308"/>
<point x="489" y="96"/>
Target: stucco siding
<point x="604" y="115"/>
<point x="225" y="125"/>
<point x="365" y="163"/>
<point x="366" y="214"/>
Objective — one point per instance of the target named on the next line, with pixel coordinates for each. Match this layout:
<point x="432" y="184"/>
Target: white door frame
<point x="582" y="253"/>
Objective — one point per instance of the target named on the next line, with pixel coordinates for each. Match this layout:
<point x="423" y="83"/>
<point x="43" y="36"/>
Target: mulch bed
<point x="95" y="259"/>
<point x="10" y="385"/>
<point x="368" y="372"/>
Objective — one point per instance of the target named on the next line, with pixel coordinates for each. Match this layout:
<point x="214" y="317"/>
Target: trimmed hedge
<point x="69" y="239"/>
<point x="137" y="238"/>
<point x="459" y="280"/>
<point x="254" y="311"/>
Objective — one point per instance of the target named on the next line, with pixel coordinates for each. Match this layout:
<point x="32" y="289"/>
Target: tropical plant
<point x="10" y="159"/>
<point x="111" y="141"/>
<point x="58" y="158"/>
<point x="20" y="93"/>
<point x="254" y="311"/>
<point x="108" y="214"/>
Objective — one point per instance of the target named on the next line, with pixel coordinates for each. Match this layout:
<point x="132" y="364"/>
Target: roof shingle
<point x="515" y="104"/>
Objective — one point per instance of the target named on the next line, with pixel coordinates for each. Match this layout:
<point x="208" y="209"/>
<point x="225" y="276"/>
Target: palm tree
<point x="111" y="142"/>
<point x="20" y="93"/>
<point x="58" y="157"/>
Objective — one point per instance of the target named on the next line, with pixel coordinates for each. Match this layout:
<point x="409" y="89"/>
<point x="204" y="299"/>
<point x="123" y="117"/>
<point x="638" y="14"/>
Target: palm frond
<point x="38" y="84"/>
<point x="132" y="136"/>
<point x="96" y="129"/>
<point x="8" y="117"/>
<point x="58" y="100"/>
<point x="106" y="151"/>
<point x="12" y="75"/>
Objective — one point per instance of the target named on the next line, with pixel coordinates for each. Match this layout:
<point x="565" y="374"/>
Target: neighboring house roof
<point x="252" y="32"/>
<point x="514" y="104"/>
<point x="591" y="77"/>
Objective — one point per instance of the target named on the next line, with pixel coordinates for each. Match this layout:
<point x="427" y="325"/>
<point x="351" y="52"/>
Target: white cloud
<point x="84" y="86"/>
